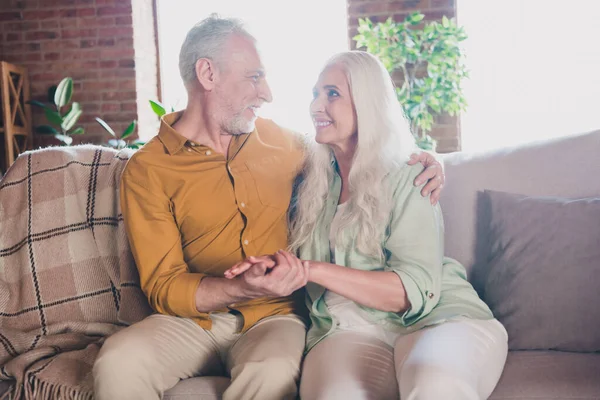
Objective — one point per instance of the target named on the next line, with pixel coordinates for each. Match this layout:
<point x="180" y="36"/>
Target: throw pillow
<point x="543" y="280"/>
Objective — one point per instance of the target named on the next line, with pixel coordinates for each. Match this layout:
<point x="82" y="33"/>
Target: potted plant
<point x="61" y="118"/>
<point x="430" y="63"/>
<point x="118" y="142"/>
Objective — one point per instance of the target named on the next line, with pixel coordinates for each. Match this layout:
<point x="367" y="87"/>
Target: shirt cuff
<point x="182" y="294"/>
<point x="415" y="298"/>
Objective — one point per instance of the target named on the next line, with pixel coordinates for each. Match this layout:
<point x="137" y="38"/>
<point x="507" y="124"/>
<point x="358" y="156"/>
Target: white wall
<point x="535" y="70"/>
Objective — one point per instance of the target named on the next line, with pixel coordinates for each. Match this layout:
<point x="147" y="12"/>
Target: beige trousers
<point x="457" y="360"/>
<point x="151" y="356"/>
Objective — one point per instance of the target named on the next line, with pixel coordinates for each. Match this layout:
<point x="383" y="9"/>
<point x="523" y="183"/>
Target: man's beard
<point x="238" y="125"/>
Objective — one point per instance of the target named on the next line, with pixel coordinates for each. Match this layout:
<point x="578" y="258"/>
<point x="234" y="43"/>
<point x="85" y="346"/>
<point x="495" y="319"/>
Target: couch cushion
<point x="537" y="375"/>
<point x="202" y="388"/>
<point x="544" y="271"/>
<point x="566" y="167"/>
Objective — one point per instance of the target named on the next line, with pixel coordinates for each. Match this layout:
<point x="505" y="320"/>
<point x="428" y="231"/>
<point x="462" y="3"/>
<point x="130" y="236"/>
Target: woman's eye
<point x="332" y="93"/>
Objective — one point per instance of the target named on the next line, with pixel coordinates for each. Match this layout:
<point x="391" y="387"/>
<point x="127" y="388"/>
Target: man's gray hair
<point x="207" y="40"/>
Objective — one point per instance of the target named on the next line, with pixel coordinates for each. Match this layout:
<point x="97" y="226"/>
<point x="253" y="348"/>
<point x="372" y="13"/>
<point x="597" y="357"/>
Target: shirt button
<point x="243" y="204"/>
<point x="430" y="295"/>
<point x="189" y="149"/>
<point x="246" y="242"/>
<point x="208" y="152"/>
<point x="192" y="143"/>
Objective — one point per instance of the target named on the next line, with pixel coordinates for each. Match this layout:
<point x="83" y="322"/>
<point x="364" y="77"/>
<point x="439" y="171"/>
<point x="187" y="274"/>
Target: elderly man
<point x="210" y="190"/>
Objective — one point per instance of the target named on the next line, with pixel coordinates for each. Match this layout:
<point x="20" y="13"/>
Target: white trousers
<point x="455" y="360"/>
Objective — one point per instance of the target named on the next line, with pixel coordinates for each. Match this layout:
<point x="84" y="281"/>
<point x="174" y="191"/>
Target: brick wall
<point x="90" y="40"/>
<point x="447" y="129"/>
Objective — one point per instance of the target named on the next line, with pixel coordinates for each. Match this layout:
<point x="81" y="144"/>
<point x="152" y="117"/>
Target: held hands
<point x="276" y="275"/>
<point x="433" y="174"/>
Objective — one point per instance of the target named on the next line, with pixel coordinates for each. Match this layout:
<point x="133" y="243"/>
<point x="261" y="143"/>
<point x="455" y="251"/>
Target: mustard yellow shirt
<point x="190" y="212"/>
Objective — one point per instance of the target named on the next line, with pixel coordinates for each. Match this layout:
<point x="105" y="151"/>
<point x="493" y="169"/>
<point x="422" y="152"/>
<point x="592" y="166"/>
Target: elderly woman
<point x="391" y="316"/>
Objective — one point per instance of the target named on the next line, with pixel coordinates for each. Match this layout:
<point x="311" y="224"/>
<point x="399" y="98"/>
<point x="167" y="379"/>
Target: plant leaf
<point x="37" y="104"/>
<point x="77" y="131"/>
<point x="157" y="108"/>
<point x="129" y="130"/>
<point x="445" y="22"/>
<point x="106" y="127"/>
<point x="76" y="106"/>
<point x="51" y="92"/>
<point x="71" y="119"/>
<point x="136" y="145"/>
<point x="113" y="143"/>
<point x="415" y="18"/>
<point x="64" y="138"/>
<point x="64" y="91"/>
<point x="53" y="117"/>
<point x="45" y="130"/>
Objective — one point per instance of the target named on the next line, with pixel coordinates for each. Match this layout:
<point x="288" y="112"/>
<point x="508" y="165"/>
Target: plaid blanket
<point x="67" y="277"/>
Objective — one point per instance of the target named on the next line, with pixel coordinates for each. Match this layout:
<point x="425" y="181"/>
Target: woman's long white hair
<point x="384" y="144"/>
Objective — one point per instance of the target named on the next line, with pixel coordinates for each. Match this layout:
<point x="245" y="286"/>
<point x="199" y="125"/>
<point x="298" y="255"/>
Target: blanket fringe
<point x="40" y="390"/>
<point x="8" y="395"/>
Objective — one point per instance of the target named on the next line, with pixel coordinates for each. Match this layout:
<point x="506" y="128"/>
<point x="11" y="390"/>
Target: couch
<point x="566" y="168"/>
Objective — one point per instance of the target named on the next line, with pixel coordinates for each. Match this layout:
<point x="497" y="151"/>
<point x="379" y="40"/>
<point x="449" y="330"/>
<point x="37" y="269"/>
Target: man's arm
<point x="164" y="275"/>
<point x="433" y="174"/>
<point x="215" y="293"/>
<point x="156" y="246"/>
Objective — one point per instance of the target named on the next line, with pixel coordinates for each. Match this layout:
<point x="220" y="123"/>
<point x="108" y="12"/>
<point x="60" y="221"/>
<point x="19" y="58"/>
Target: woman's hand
<point x="243" y="266"/>
<point x="269" y="261"/>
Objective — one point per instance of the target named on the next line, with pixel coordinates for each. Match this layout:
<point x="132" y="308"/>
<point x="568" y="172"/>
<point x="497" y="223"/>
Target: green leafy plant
<point x="118" y="141"/>
<point x="430" y="62"/>
<point x="61" y="118"/>
<point x="158" y="108"/>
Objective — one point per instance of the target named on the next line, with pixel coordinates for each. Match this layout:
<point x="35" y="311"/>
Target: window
<point x="295" y="39"/>
<point x="535" y="70"/>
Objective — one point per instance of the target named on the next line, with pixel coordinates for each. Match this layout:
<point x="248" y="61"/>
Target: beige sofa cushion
<point x="549" y="375"/>
<point x="567" y="167"/>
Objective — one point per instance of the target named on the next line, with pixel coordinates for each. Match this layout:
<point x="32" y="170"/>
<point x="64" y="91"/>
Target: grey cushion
<point x="202" y="388"/>
<point x="545" y="375"/>
<point x="544" y="271"/>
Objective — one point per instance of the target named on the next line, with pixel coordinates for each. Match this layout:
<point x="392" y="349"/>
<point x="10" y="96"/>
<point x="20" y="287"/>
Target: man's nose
<point x="265" y="92"/>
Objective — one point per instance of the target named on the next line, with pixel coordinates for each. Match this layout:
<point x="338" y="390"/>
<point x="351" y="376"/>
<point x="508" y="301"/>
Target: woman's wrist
<point x="314" y="268"/>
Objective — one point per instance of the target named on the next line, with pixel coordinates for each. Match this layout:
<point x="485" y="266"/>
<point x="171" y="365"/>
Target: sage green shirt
<point x="436" y="286"/>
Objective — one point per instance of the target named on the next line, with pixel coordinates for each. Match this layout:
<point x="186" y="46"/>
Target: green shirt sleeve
<point x="414" y="246"/>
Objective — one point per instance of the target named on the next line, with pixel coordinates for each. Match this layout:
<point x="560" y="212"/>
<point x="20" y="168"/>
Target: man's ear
<point x="206" y="73"/>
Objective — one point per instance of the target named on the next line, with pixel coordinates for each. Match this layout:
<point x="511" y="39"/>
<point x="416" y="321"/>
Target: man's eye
<point x="255" y="78"/>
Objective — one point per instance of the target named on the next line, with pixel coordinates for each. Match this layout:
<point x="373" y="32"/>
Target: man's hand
<point x="278" y="275"/>
<point x="433" y="174"/>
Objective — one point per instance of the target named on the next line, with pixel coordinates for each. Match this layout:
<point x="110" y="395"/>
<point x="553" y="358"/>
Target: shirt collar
<point x="172" y="140"/>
